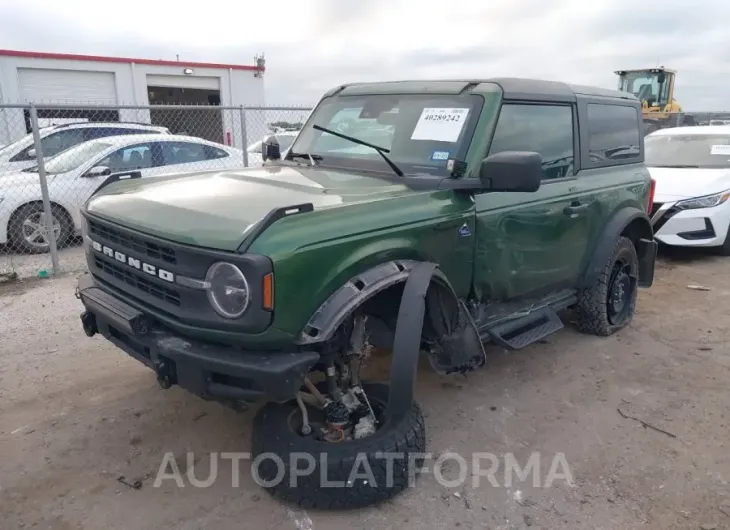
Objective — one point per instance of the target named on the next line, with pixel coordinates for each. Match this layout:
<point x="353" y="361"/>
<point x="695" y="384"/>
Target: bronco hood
<point x="218" y="209"/>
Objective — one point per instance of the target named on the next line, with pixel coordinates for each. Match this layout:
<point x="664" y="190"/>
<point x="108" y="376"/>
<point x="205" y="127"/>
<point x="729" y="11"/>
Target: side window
<point x="137" y="156"/>
<point x="182" y="153"/>
<point x="60" y="141"/>
<point x="53" y="144"/>
<point x="546" y="129"/>
<point x="613" y="133"/>
<point x="137" y="131"/>
<point x="93" y="133"/>
<point x="213" y="153"/>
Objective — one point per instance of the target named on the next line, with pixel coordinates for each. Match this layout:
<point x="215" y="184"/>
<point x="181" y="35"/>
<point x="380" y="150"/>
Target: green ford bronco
<point x="425" y="217"/>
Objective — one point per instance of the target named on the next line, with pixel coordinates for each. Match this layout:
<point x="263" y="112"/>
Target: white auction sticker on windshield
<point x="440" y="124"/>
<point x="720" y="149"/>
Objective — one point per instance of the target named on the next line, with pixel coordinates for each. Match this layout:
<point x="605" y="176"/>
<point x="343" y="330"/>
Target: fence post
<point x="50" y="235"/>
<point x="244" y="141"/>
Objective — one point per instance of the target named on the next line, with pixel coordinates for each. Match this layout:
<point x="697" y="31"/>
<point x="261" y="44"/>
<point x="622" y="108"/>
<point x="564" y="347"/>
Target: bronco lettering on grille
<point x="133" y="262"/>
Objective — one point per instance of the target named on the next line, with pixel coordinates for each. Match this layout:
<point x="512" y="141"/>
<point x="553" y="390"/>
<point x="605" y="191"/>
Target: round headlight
<point x="227" y="290"/>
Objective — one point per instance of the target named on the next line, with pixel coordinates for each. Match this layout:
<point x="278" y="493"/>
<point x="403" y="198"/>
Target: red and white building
<point x="56" y="78"/>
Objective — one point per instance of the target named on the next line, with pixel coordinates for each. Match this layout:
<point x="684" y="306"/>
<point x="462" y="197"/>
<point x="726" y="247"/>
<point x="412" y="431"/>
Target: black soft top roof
<point x="512" y="87"/>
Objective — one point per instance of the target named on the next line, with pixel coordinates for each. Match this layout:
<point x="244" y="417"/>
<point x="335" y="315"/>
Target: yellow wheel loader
<point x="655" y="88"/>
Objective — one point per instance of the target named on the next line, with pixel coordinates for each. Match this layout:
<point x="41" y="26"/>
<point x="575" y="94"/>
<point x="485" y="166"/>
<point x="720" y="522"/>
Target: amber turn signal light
<point x="267" y="291"/>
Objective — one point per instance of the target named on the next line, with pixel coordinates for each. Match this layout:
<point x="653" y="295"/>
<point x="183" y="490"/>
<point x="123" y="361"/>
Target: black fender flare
<point x="462" y="350"/>
<point x="411" y="312"/>
<point x="407" y="342"/>
<point x="325" y="321"/>
<point x="408" y="334"/>
<point x="643" y="237"/>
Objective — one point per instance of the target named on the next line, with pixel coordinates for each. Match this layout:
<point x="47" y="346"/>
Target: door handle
<point x="576" y="208"/>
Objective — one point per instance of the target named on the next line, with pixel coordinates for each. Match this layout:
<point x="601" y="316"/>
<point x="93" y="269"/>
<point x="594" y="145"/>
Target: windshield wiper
<point x="380" y="150"/>
<point x="311" y="158"/>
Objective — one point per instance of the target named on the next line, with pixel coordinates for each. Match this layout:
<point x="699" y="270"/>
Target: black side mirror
<point x="270" y="149"/>
<point x="511" y="171"/>
<point x="98" y="171"/>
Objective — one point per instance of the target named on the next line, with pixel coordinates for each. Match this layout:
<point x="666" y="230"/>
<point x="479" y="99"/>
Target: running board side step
<point x="519" y="332"/>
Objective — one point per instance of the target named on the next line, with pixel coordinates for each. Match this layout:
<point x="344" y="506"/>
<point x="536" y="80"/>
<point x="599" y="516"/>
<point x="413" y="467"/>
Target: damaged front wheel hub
<point x="336" y="415"/>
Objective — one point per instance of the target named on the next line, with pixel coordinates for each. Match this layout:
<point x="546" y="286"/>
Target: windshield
<point x="74" y="157"/>
<point x="652" y="87"/>
<point x="423" y="132"/>
<point x="692" y="150"/>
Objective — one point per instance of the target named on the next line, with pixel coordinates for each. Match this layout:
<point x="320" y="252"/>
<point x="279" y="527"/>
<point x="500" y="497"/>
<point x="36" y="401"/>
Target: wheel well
<point x="441" y="308"/>
<point x="384" y="305"/>
<point x="638" y="229"/>
<point x="64" y="211"/>
<point x="15" y="214"/>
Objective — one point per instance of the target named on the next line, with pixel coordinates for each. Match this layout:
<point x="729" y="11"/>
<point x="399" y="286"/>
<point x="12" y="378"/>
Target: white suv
<point x="56" y="138"/>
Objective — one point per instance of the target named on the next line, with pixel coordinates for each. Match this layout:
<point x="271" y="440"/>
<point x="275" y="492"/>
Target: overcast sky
<point x="312" y="45"/>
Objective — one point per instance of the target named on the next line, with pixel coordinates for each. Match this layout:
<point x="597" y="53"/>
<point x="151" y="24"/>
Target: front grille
<point x="137" y="281"/>
<point x="130" y="242"/>
<point x="141" y="268"/>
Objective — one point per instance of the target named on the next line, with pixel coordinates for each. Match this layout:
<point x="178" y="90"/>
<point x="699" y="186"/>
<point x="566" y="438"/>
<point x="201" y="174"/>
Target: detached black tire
<point x="273" y="434"/>
<point x="608" y="305"/>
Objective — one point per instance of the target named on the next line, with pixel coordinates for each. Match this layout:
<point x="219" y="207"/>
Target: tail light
<point x="650" y="205"/>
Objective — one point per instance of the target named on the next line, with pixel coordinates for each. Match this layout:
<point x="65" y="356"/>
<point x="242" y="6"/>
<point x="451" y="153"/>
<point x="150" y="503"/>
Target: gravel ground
<point x="29" y="265"/>
<point x="75" y="415"/>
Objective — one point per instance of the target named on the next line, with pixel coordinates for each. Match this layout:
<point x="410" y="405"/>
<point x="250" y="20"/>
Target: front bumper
<point x="701" y="227"/>
<point x="211" y="371"/>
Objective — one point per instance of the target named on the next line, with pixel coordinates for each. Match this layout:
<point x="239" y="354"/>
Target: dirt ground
<point x="75" y="415"/>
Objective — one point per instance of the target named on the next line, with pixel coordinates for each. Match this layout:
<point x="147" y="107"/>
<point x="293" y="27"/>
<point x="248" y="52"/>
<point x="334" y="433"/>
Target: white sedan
<point x="56" y="138"/>
<point x="691" y="167"/>
<point x="76" y="173"/>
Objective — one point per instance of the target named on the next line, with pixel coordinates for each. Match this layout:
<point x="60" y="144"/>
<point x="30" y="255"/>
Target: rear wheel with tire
<point x="28" y="230"/>
<point x="608" y="304"/>
<point x="312" y="473"/>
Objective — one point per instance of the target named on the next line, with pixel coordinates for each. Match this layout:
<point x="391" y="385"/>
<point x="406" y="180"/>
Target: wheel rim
<point x="34" y="231"/>
<point x="620" y="292"/>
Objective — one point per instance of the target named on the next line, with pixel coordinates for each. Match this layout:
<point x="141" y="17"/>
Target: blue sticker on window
<point x="440" y="155"/>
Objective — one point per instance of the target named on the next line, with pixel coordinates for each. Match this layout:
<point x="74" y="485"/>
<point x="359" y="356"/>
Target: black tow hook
<point x="165" y="374"/>
<point x="88" y="321"/>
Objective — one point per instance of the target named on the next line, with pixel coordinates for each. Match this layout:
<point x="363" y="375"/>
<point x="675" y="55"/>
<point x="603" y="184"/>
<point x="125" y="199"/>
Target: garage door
<point x="55" y="86"/>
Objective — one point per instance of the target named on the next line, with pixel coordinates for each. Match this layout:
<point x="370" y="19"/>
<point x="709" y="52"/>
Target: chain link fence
<point x="53" y="157"/>
<point x="654" y="121"/>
